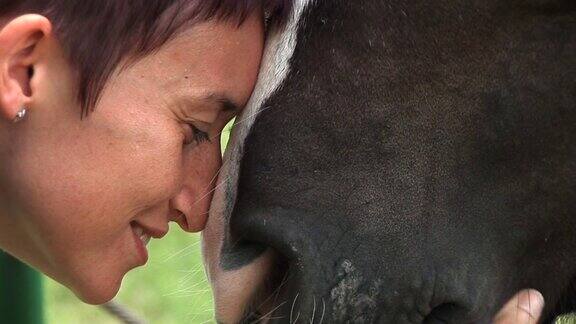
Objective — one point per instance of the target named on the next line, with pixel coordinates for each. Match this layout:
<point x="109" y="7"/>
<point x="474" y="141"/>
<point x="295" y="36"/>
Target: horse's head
<point x="411" y="162"/>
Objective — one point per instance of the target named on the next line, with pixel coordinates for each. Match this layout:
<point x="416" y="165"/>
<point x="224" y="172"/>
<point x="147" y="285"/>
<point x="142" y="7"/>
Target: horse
<point x="402" y="162"/>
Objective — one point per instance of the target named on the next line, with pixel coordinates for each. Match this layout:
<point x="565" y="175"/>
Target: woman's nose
<point x="189" y="207"/>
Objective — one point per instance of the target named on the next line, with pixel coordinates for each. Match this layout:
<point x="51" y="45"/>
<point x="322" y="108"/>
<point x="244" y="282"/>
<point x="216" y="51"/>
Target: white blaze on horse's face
<point x="233" y="289"/>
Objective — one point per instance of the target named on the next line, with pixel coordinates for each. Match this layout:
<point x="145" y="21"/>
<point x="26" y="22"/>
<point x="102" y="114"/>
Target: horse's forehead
<point x="280" y="44"/>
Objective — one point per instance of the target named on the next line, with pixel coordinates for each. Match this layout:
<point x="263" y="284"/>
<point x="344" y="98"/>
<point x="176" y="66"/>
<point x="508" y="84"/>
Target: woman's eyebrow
<point x="226" y="104"/>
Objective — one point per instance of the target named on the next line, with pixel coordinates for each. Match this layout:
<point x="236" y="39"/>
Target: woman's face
<point x="76" y="195"/>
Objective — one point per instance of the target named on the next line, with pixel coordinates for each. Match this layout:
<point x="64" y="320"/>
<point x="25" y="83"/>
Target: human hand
<point x="524" y="308"/>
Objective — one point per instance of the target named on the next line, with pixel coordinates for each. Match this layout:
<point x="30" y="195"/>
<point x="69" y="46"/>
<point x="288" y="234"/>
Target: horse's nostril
<point x="240" y="253"/>
<point x="271" y="242"/>
<point x="444" y="313"/>
<point x="253" y="317"/>
<point x="279" y="273"/>
<point x="266" y="302"/>
<point x="253" y="232"/>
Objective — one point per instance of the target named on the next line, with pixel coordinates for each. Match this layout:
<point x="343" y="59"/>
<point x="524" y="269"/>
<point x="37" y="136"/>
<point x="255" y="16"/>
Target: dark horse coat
<point x="411" y="162"/>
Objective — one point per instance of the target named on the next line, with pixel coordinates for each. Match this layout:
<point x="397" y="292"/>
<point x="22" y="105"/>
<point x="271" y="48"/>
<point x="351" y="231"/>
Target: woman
<point x="110" y="119"/>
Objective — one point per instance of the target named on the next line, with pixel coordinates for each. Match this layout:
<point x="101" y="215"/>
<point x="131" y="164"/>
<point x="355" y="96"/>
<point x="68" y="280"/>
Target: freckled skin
<point x="417" y="165"/>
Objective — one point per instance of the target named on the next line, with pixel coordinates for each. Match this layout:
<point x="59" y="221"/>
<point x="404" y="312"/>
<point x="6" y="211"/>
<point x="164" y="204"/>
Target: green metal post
<point x="20" y="292"/>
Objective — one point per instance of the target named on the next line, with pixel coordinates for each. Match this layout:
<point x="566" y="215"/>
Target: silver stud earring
<point x="20" y="115"/>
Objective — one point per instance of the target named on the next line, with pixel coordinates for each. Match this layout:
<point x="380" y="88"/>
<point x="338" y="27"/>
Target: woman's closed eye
<point x="195" y="135"/>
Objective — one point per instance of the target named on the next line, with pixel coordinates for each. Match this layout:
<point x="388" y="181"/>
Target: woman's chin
<point x="96" y="276"/>
<point x="98" y="290"/>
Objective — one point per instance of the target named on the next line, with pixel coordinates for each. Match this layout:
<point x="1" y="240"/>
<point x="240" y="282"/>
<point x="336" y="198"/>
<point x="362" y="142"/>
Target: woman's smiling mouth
<point x="142" y="236"/>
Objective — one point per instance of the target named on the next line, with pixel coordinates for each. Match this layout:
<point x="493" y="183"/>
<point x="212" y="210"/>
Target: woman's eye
<point x="196" y="135"/>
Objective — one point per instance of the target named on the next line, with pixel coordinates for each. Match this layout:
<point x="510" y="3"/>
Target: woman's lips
<point x="141" y="239"/>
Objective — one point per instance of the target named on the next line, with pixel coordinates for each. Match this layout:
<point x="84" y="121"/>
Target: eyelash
<point x="198" y="136"/>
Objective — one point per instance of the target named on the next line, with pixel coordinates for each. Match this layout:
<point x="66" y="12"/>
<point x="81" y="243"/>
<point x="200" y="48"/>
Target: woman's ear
<point x="19" y="52"/>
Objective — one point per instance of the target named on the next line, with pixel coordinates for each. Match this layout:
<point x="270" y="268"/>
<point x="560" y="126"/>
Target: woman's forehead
<point x="214" y="63"/>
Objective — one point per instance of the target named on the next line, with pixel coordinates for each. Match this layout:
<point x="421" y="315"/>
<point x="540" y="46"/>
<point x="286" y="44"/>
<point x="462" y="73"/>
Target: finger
<point x="524" y="308"/>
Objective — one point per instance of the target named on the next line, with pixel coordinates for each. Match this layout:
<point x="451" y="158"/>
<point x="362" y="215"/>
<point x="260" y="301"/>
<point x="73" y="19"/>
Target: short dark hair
<point x="97" y="35"/>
